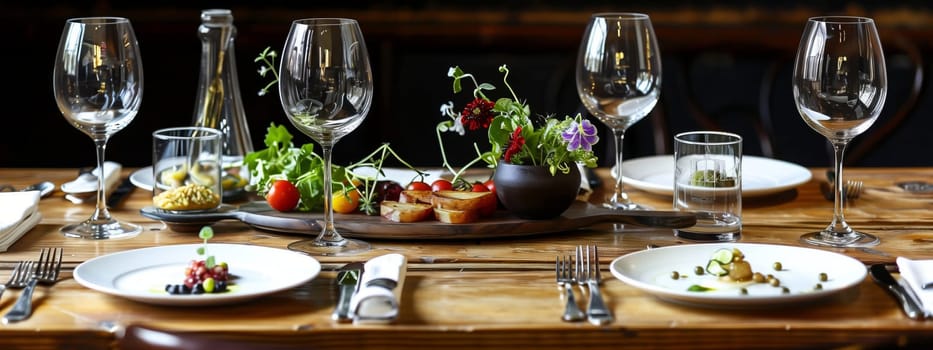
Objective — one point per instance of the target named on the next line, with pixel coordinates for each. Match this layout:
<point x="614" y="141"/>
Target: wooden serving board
<point x="580" y="215"/>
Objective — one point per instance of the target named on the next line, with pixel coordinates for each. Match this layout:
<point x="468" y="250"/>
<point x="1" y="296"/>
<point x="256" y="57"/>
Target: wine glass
<point x="840" y="85"/>
<point x="326" y="88"/>
<point x="98" y="85"/>
<point x="619" y="80"/>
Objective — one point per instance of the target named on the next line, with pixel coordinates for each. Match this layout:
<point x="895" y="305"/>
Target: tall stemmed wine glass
<point x="98" y="85"/>
<point x="326" y="88"/>
<point x="619" y="80"/>
<point x="840" y="83"/>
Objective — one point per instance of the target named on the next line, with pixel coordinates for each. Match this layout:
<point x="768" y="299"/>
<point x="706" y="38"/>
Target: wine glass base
<point x="325" y="248"/>
<point x="827" y="239"/>
<point x="108" y="230"/>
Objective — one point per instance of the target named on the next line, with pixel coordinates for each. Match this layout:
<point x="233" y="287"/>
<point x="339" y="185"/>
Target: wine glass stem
<point x="619" y="196"/>
<point x="838" y="226"/>
<point x="101" y="214"/>
<point x="329" y="235"/>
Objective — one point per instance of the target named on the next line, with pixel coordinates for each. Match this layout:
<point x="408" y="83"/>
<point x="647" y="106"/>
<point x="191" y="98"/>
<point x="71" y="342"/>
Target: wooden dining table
<point x="493" y="292"/>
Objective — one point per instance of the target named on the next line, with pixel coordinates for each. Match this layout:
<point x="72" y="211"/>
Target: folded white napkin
<point x="19" y="213"/>
<point x="916" y="273"/>
<point x="377" y="300"/>
<point x="87" y="182"/>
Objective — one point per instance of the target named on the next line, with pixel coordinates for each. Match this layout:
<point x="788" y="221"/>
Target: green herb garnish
<point x="711" y="178"/>
<point x="698" y="288"/>
<point x="206" y="233"/>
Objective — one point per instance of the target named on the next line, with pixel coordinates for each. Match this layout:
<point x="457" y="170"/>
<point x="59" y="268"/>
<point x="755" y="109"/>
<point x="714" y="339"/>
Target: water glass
<point x="186" y="166"/>
<point x="708" y="182"/>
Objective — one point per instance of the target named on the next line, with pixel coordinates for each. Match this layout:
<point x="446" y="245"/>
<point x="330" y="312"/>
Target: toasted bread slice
<point x="452" y="216"/>
<point x="405" y="212"/>
<point x="483" y="203"/>
<point x="412" y="196"/>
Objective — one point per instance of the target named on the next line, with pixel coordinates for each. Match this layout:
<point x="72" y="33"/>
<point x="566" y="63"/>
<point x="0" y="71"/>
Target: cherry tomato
<point x="479" y="187"/>
<point x="418" y="186"/>
<point x="283" y="196"/>
<point x="441" y="185"/>
<point x="346" y="202"/>
<point x="490" y="186"/>
<point x="387" y="190"/>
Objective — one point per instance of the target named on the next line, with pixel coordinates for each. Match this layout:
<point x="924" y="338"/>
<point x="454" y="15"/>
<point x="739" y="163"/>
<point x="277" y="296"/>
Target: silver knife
<point x="905" y="296"/>
<point x="348" y="278"/>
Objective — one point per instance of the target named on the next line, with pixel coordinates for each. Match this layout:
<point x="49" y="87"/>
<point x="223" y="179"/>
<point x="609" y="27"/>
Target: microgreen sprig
<point x="267" y="58"/>
<point x="206" y="233"/>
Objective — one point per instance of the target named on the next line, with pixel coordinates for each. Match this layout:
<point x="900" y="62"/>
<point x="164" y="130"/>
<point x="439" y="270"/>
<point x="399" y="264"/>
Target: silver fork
<point x="587" y="271"/>
<point x="46" y="272"/>
<point x="564" y="272"/>
<point x="19" y="277"/>
<point x="853" y="189"/>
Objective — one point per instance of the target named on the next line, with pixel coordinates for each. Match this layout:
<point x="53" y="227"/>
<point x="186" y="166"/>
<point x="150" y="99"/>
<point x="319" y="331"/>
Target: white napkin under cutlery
<point x="380" y="289"/>
<point x="84" y="188"/>
<point x="19" y="213"/>
<point x="87" y="182"/>
<point x="917" y="273"/>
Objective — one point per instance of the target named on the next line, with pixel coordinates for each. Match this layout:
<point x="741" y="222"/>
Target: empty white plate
<point x="760" y="176"/>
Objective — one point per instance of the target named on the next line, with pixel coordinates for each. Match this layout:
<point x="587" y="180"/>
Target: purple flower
<point x="580" y="134"/>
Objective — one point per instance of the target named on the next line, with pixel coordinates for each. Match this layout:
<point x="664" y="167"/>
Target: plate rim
<point x="803" y="176"/>
<point x="136" y="178"/>
<point x="738" y="301"/>
<point x="311" y="272"/>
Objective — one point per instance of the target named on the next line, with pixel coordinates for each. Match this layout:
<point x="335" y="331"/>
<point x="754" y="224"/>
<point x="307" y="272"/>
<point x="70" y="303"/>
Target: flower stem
<point x="505" y="80"/>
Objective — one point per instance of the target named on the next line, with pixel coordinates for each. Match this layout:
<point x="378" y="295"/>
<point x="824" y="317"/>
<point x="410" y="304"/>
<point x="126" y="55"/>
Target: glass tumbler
<point x="186" y="167"/>
<point x="708" y="182"/>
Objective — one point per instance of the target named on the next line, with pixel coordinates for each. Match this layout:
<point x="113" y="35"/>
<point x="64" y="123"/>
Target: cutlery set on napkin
<point x="917" y="275"/>
<point x="371" y="292"/>
<point x="914" y="290"/>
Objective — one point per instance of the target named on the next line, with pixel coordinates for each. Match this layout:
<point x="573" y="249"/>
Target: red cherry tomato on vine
<point x="418" y="186"/>
<point x="479" y="187"/>
<point x="441" y="185"/>
<point x="490" y="186"/>
<point x="283" y="196"/>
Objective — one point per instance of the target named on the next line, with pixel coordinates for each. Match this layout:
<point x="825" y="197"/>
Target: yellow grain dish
<point x="187" y="197"/>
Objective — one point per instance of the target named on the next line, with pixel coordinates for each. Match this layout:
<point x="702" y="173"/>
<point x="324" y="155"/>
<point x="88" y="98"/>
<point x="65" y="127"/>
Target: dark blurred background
<point x="727" y="66"/>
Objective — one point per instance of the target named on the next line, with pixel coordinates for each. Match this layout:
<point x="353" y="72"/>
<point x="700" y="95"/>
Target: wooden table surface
<point x="493" y="293"/>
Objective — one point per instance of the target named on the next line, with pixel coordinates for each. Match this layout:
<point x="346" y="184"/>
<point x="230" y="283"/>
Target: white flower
<point x="447" y="110"/>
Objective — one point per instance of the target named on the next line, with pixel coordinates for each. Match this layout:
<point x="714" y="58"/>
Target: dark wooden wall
<point x="726" y="66"/>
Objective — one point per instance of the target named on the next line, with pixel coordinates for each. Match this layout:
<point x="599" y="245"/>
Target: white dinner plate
<point x="760" y="176"/>
<point x="650" y="270"/>
<point x="141" y="274"/>
<point x="142" y="178"/>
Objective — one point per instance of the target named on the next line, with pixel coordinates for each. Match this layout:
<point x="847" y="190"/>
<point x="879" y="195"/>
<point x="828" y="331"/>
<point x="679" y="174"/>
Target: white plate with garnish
<point x="799" y="278"/>
<point x="141" y="274"/>
<point x="760" y="176"/>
